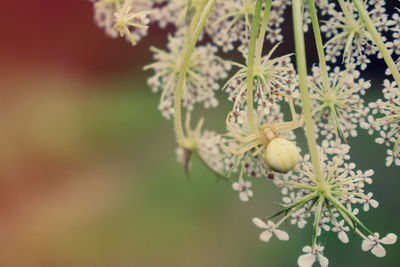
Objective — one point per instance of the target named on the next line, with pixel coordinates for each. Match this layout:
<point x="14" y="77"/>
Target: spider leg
<point x="258" y="151"/>
<point x="292" y="109"/>
<point x="286" y="126"/>
<point x="237" y="136"/>
<point x="230" y="127"/>
<point x="244" y="139"/>
<point x="289" y="125"/>
<point x="239" y="149"/>
<point x="237" y="160"/>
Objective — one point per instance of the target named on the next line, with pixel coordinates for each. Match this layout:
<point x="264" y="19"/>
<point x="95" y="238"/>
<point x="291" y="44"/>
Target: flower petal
<point x="378" y="251"/>
<point x="367" y="244"/>
<point x="259" y="223"/>
<point x="323" y="261"/>
<point x="366" y="207"/>
<point x="343" y="237"/>
<point x="389" y="239"/>
<point x="374" y="203"/>
<point x="243" y="196"/>
<point x="236" y="186"/>
<point x="306" y="260"/>
<point x="265" y="236"/>
<point x="281" y="235"/>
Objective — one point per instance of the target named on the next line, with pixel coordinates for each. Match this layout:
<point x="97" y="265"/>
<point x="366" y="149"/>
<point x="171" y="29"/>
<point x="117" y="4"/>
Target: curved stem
<point x="319" y="44"/>
<point x="192" y="36"/>
<point x="250" y="64"/>
<point x="305" y="97"/>
<point x="317" y="219"/>
<point x="339" y="206"/>
<point x="378" y="41"/>
<point x="348" y="16"/>
<point x="263" y="29"/>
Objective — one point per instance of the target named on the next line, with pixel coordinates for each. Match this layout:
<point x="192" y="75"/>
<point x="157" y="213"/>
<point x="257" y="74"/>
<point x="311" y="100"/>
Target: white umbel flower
<point x="368" y="201"/>
<point x="129" y="18"/>
<point x="373" y="243"/>
<point x="307" y="260"/>
<point x="243" y="187"/>
<point x="341" y="229"/>
<point x="131" y="23"/>
<point x="270" y="228"/>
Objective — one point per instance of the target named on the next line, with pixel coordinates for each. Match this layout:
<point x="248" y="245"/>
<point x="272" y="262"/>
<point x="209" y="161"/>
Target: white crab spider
<point x="278" y="153"/>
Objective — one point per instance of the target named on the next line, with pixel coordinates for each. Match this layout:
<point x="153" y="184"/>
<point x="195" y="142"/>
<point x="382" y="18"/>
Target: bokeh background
<point x="88" y="175"/>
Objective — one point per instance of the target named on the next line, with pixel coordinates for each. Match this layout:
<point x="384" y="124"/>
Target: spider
<point x="278" y="153"/>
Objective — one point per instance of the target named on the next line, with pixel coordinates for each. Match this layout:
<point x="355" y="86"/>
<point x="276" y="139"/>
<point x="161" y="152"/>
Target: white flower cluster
<point x="349" y="40"/>
<point x="271" y="75"/>
<point x="204" y="72"/>
<point x="344" y="190"/>
<point x="322" y="186"/>
<point x="129" y="18"/>
<point x="388" y="126"/>
<point x="338" y="109"/>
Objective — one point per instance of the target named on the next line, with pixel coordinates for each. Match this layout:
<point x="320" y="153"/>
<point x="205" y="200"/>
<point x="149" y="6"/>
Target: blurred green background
<point x="88" y="175"/>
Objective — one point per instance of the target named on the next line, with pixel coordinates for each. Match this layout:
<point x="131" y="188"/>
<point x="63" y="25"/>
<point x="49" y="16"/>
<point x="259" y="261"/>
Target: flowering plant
<point x="320" y="185"/>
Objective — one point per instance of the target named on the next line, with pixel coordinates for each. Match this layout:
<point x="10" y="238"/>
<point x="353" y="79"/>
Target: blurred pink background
<point x="55" y="65"/>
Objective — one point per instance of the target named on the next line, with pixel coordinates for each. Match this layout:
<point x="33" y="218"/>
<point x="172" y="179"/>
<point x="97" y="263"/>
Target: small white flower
<point x="298" y="218"/>
<point x="373" y="243"/>
<point x="243" y="187"/>
<point x="392" y="157"/>
<point x="385" y="138"/>
<point x="323" y="224"/>
<point x="270" y="228"/>
<point x="368" y="201"/>
<point x="307" y="260"/>
<point x="341" y="229"/>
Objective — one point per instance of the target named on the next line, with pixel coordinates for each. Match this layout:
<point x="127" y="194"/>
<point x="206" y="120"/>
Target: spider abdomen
<point x="281" y="155"/>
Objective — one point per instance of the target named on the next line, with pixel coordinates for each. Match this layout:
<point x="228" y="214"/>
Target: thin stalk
<point x="317" y="219"/>
<point x="319" y="44"/>
<point x="305" y="97"/>
<point x="289" y="214"/>
<point x="299" y="185"/>
<point x="192" y="36"/>
<point x="302" y="201"/>
<point x="351" y="224"/>
<point x="339" y="206"/>
<point x="376" y="37"/>
<point x="263" y="29"/>
<point x="348" y="16"/>
<point x="250" y="64"/>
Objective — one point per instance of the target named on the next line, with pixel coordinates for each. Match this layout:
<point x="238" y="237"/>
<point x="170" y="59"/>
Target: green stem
<point x="299" y="185"/>
<point x="339" y="206"/>
<point x="348" y="16"/>
<point x="250" y="64"/>
<point x="290" y="214"/>
<point x="336" y="119"/>
<point x="295" y="204"/>
<point x="317" y="219"/>
<point x="351" y="224"/>
<point x="378" y="41"/>
<point x="193" y="34"/>
<point x="263" y="29"/>
<point x="319" y="44"/>
<point x="305" y="97"/>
